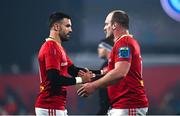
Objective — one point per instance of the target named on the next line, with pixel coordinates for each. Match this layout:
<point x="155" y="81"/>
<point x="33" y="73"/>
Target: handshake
<point x="87" y="87"/>
<point x="86" y="76"/>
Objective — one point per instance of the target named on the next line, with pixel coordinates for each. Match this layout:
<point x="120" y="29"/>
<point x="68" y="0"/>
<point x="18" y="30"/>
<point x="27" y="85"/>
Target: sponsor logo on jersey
<point x="64" y="64"/>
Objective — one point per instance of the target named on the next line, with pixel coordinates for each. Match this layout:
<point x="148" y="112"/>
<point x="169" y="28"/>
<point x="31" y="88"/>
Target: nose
<point x="104" y="30"/>
<point x="70" y="30"/>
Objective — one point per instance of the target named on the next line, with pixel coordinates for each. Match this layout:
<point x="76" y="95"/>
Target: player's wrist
<point x="102" y="72"/>
<point x="93" y="75"/>
<point x="95" y="85"/>
<point x="78" y="80"/>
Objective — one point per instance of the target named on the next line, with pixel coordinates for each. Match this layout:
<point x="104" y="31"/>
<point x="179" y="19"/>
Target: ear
<point x="114" y="25"/>
<point x="56" y="27"/>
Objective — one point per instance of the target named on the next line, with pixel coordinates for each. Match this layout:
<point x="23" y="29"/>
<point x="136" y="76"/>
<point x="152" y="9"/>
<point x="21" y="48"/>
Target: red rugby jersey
<point x="128" y="92"/>
<point x="52" y="56"/>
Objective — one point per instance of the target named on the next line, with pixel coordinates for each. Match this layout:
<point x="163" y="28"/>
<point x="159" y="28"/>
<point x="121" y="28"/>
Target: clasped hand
<point x="87" y="88"/>
<point x="85" y="75"/>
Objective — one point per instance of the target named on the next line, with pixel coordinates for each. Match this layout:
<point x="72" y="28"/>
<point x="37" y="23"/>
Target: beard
<point x="111" y="37"/>
<point x="103" y="57"/>
<point x="64" y="37"/>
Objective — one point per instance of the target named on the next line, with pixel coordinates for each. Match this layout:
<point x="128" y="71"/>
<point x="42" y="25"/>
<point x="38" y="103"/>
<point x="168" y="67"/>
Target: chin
<point x="107" y="36"/>
<point x="102" y="57"/>
<point x="65" y="39"/>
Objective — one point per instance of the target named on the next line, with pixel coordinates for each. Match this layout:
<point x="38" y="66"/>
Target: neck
<point x="119" y="34"/>
<point x="108" y="55"/>
<point x="55" y="36"/>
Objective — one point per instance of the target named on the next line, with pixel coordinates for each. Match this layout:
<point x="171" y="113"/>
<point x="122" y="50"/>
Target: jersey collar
<point x="124" y="36"/>
<point x="50" y="39"/>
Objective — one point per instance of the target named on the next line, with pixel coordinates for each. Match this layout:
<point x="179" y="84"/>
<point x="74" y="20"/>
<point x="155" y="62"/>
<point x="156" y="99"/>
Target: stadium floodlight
<point x="172" y="8"/>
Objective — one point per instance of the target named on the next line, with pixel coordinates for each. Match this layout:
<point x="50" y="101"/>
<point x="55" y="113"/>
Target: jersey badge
<point x="124" y="52"/>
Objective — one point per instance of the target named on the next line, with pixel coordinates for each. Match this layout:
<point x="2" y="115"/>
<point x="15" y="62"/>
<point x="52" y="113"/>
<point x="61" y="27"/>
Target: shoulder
<point x="49" y="45"/>
<point x="126" y="43"/>
<point x="128" y="40"/>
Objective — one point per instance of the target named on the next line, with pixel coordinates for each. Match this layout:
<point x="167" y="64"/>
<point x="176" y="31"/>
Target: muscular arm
<point x="121" y="69"/>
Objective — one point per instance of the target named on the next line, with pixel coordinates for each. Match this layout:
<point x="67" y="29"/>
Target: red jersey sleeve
<point x="69" y="61"/>
<point x="52" y="58"/>
<point x="123" y="51"/>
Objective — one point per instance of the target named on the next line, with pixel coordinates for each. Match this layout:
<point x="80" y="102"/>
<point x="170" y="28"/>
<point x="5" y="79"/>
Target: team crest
<point x="124" y="52"/>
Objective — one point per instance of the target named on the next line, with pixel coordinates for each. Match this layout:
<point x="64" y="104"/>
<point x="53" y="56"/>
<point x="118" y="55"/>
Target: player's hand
<point x="86" y="76"/>
<point x="86" y="89"/>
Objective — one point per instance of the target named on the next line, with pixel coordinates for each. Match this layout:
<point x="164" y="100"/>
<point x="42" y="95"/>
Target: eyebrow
<point x="68" y="25"/>
<point x="105" y="23"/>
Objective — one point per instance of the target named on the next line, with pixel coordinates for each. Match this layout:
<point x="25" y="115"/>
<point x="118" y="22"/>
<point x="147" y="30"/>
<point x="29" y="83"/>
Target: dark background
<point x="24" y="27"/>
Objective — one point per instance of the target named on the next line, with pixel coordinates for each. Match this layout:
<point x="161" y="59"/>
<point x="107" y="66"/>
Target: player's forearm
<point x="96" y="77"/>
<point x="110" y="78"/>
<point x="73" y="70"/>
<point x="121" y="70"/>
<point x="59" y="80"/>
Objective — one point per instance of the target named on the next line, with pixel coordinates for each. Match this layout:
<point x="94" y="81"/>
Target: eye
<point x="106" y="24"/>
<point x="68" y="25"/>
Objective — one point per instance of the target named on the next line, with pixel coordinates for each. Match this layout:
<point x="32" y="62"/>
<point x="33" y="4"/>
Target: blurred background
<point x="24" y="27"/>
